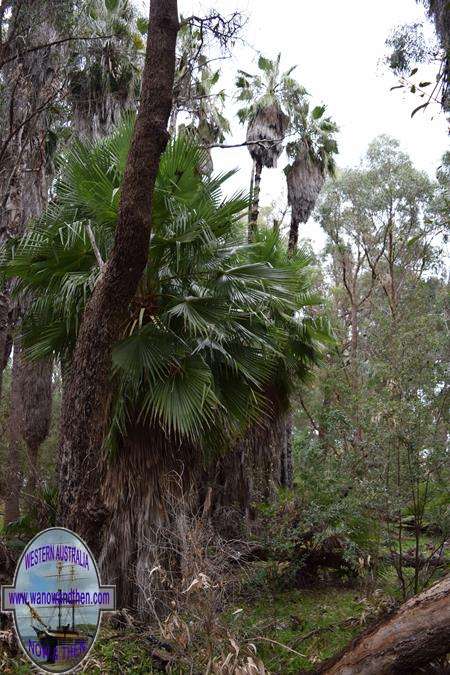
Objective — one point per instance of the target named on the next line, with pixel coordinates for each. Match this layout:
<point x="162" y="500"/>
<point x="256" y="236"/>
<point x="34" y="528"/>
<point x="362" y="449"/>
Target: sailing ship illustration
<point x="57" y="641"/>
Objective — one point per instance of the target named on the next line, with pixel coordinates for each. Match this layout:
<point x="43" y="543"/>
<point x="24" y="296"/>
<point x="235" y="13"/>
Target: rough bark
<point x="35" y="390"/>
<point x="413" y="636"/>
<point x="88" y="391"/>
<point x="13" y="481"/>
<point x="32" y="81"/>
<point x="254" y="209"/>
<point x="293" y="235"/>
<point x="249" y="472"/>
<point x="287" y="470"/>
<point x="143" y="481"/>
<point x="4" y="330"/>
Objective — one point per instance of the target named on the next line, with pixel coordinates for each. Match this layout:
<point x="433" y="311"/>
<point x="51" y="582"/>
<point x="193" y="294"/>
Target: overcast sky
<point x="337" y="47"/>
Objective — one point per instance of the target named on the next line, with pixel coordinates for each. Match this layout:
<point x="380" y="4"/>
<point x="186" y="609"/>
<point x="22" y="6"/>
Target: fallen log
<point x="414" y="635"/>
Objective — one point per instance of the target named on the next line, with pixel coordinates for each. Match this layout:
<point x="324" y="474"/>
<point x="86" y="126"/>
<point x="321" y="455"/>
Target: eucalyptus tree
<point x="32" y="79"/>
<point x="268" y="97"/>
<point x="380" y="405"/>
<point x="312" y="152"/>
<point x="409" y="48"/>
<point x="196" y="97"/>
<point x="203" y="336"/>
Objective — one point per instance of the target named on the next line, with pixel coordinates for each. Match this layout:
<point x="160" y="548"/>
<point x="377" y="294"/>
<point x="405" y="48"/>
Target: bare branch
<point x="55" y="43"/>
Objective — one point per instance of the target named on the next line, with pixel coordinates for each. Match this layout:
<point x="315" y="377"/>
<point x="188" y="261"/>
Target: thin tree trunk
<point x="287" y="471"/>
<point x="354" y="333"/>
<point x="85" y="407"/>
<point x="252" y="186"/>
<point x="293" y="236"/>
<point x="13" y="472"/>
<point x="4" y="330"/>
<point x="254" y="212"/>
<point x="413" y="636"/>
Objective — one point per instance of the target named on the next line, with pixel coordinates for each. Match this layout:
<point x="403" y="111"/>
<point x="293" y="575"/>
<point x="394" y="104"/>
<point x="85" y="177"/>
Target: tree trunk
<point x="149" y="483"/>
<point x="254" y="211"/>
<point x="413" y="636"/>
<point x="354" y="333"/>
<point x="85" y="407"/>
<point x="293" y="235"/>
<point x="35" y="388"/>
<point x="13" y="472"/>
<point x="249" y="472"/>
<point x="287" y="470"/>
<point x="4" y="331"/>
<point x="32" y="82"/>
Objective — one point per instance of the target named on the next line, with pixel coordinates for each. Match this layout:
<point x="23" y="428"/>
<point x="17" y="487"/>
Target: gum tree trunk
<point x="13" y="477"/>
<point x="413" y="636"/>
<point x="31" y="84"/>
<point x="85" y="407"/>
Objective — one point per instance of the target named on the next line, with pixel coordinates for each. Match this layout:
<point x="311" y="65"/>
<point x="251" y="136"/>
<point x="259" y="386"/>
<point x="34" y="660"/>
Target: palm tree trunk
<point x="293" y="236"/>
<point x="248" y="473"/>
<point x="85" y="407"/>
<point x="148" y="485"/>
<point x="252" y="185"/>
<point x="254" y="212"/>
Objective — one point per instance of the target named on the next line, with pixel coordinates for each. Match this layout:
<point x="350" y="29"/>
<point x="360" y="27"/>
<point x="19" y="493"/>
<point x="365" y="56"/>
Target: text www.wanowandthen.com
<point x="55" y="598"/>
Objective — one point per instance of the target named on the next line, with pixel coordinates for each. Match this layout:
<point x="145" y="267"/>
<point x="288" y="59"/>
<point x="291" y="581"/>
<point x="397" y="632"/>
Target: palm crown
<point x="268" y="96"/>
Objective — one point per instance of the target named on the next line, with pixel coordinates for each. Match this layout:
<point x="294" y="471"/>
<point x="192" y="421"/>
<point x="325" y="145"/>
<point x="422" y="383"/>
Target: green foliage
<point x="195" y="92"/>
<point x="213" y="319"/>
<point x="377" y="415"/>
<point x="407" y="47"/>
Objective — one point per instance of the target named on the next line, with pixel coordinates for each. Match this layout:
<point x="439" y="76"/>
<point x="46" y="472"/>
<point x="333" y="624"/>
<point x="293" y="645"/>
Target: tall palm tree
<point x="205" y="334"/>
<point x="268" y="96"/>
<point x="312" y="153"/>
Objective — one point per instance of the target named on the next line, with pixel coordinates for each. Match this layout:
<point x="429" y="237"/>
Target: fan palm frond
<point x="214" y="318"/>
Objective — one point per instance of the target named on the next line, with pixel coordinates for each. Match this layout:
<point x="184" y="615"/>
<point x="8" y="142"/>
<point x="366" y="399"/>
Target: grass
<point x="307" y="621"/>
<point x="285" y="617"/>
<point x="292" y="629"/>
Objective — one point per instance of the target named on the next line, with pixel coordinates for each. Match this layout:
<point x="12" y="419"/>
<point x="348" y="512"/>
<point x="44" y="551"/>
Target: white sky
<point x="337" y="47"/>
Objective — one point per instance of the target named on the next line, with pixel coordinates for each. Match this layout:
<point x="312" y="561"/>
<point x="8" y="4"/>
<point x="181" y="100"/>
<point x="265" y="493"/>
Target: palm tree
<point x="206" y="332"/>
<point x="104" y="75"/>
<point x="312" y="153"/>
<point x="268" y="97"/>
